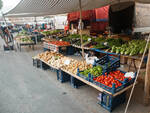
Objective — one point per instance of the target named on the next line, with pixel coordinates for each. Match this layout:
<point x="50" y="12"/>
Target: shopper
<point x="1" y="32"/>
<point x="7" y="34"/>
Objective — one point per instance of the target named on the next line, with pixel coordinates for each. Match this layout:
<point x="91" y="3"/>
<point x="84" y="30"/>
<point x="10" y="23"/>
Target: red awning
<point x="86" y="15"/>
<point x="102" y="13"/>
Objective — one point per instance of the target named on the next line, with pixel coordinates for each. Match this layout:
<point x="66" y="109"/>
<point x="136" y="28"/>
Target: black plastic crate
<point x="75" y="83"/>
<point x="36" y="63"/>
<point x="70" y="50"/>
<point x="44" y="66"/>
<point x="66" y="50"/>
<point x="109" y="102"/>
<point x="108" y="63"/>
<point x="8" y="48"/>
<point x="63" y="76"/>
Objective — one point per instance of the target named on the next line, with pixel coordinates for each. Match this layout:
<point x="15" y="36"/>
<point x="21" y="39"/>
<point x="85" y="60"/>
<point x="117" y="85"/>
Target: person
<point x="7" y="34"/>
<point x="1" y="32"/>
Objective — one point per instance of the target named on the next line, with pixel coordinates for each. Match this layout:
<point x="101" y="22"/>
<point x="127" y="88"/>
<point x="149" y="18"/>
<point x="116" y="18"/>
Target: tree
<point x="1" y="4"/>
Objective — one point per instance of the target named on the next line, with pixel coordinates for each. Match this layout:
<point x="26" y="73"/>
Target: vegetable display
<point x="118" y="75"/>
<point x="107" y="80"/>
<point x="75" y="64"/>
<point x="134" y="47"/>
<point x="50" y="32"/>
<point x="95" y="71"/>
<point x="59" y="61"/>
<point x="47" y="56"/>
<point x="24" y="39"/>
<point x="60" y="43"/>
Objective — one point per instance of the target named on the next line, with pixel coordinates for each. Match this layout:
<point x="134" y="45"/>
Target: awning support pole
<point x="147" y="82"/>
<point x="80" y="22"/>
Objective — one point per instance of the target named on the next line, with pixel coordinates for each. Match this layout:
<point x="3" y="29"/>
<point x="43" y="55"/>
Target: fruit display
<point x="94" y="71"/>
<point x="60" y="43"/>
<point x="75" y="64"/>
<point x="107" y="80"/>
<point x="134" y="47"/>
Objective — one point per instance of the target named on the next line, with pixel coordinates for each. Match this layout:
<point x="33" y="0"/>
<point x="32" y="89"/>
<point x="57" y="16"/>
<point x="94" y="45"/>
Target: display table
<point x="20" y="44"/>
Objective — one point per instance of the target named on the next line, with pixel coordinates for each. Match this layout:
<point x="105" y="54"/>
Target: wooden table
<point x="20" y="44"/>
<point x="87" y="82"/>
<point x="95" y="86"/>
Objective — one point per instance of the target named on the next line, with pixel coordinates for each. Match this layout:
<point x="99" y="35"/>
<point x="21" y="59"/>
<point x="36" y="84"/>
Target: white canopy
<point x="52" y="7"/>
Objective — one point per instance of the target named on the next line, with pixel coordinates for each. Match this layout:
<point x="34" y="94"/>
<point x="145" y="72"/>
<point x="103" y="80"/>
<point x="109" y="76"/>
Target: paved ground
<point x="26" y="89"/>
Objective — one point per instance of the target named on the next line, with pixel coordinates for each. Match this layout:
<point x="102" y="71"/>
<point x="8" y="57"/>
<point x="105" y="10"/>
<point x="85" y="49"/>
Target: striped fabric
<point x="52" y="7"/>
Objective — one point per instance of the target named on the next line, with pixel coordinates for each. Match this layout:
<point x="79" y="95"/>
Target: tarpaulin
<point x="102" y="13"/>
<point x="86" y="15"/>
<point x="98" y="26"/>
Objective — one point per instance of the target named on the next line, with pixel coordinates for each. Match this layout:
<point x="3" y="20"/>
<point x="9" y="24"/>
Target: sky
<point x="9" y="4"/>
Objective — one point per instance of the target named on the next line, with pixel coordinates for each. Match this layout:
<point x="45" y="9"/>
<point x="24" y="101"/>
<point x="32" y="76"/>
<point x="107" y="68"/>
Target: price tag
<point x="67" y="62"/>
<point x="89" y="39"/>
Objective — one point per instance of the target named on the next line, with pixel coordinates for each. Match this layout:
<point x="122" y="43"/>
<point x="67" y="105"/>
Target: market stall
<point x="24" y="41"/>
<point x="106" y="82"/>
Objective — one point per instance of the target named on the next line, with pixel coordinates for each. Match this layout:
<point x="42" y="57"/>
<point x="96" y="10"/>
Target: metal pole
<point x="80" y="22"/>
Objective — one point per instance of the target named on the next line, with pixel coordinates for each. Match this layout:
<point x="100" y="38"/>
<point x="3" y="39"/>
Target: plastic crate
<point x="89" y="78"/>
<point x="75" y="83"/>
<point x="70" y="50"/>
<point x="126" y="82"/>
<point x="45" y="45"/>
<point x="45" y="49"/>
<point x="8" y="48"/>
<point x="36" y="63"/>
<point x="53" y="69"/>
<point x="43" y="65"/>
<point x="109" y="102"/>
<point x="63" y="76"/>
<point x="112" y="89"/>
<point x="108" y="63"/>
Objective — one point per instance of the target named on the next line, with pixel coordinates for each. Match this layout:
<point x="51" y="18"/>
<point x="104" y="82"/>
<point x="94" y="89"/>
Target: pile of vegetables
<point x="107" y="80"/>
<point x="60" y="43"/>
<point x="103" y="43"/>
<point x="26" y="40"/>
<point x="118" y="75"/>
<point x="22" y="33"/>
<point x="47" y="56"/>
<point x="114" y="77"/>
<point x="75" y="64"/>
<point x="131" y="48"/>
<point x="95" y="71"/>
<point x="50" y="32"/>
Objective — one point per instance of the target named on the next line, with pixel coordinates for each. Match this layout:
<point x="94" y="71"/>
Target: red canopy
<point x="86" y="15"/>
<point x="99" y="14"/>
<point x="102" y="13"/>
